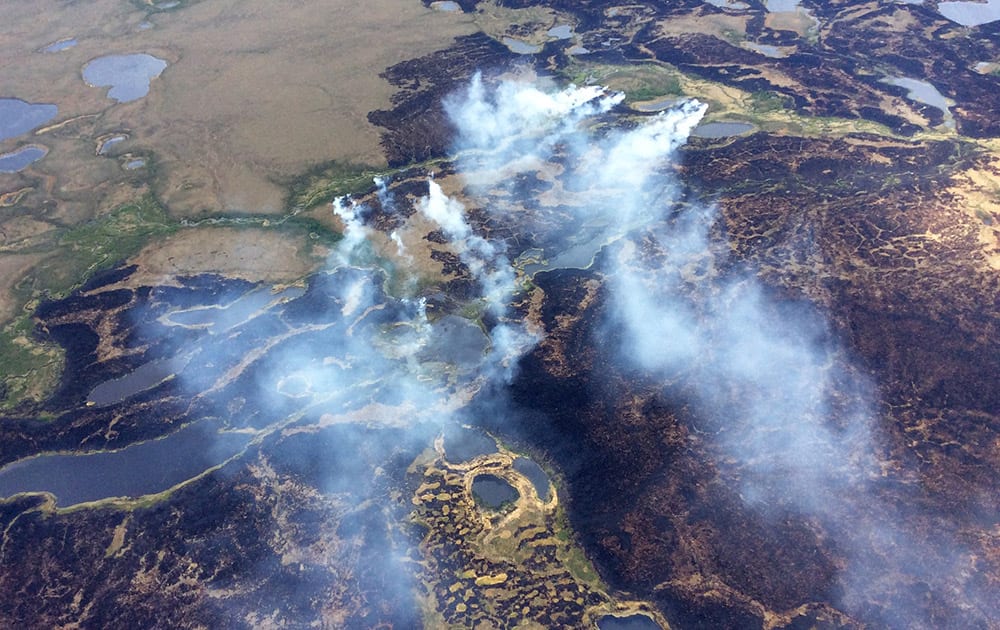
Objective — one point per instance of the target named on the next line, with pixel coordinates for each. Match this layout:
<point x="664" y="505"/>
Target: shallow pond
<point x="127" y="76"/>
<point x="62" y="44"/>
<point x="17" y="116"/>
<point x="20" y="159"/>
<point x="446" y="5"/>
<point x="781" y="6"/>
<point x="971" y="13"/>
<point x="562" y="31"/>
<point x="138" y="380"/>
<point x="538" y="478"/>
<point x="140" y="469"/>
<point x="924" y="92"/>
<point x="729" y="4"/>
<point x="521" y="48"/>
<point x="721" y="129"/>
<point x="493" y="491"/>
<point x="462" y="444"/>
<point x="105" y="144"/>
<point x="631" y="622"/>
<point x="219" y="319"/>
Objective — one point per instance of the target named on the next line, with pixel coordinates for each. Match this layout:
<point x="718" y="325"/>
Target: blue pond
<point x="493" y="491"/>
<point x="17" y="160"/>
<point x="17" y="116"/>
<point x="535" y="475"/>
<point x="128" y="76"/>
<point x="632" y="622"/>
<point x="145" y="468"/>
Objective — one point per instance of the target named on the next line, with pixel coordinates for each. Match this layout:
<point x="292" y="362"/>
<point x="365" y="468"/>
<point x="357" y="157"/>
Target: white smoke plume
<point x="790" y="414"/>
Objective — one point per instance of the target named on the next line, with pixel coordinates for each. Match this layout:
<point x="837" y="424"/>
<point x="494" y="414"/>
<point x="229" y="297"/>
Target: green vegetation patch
<point x="640" y="82"/>
<point x="99" y="244"/>
<point x="29" y="371"/>
<point x="326" y="182"/>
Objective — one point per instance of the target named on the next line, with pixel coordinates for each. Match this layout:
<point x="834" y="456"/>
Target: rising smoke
<point x="792" y="414"/>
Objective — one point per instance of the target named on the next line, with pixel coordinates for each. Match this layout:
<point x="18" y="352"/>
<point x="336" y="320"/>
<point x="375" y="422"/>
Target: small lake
<point x="127" y="76"/>
<point x="971" y="13"/>
<point x="538" y="478"/>
<point x="137" y="470"/>
<point x="462" y="444"/>
<point x="721" y="129"/>
<point x="562" y="31"/>
<point x="729" y="4"/>
<point x="780" y="6"/>
<point x="59" y="46"/>
<point x="774" y="52"/>
<point x="456" y="341"/>
<point x="493" y="491"/>
<point x="447" y="5"/>
<point x="658" y="105"/>
<point x="631" y="622"/>
<point x="924" y="92"/>
<point x="521" y="48"/>
<point x="105" y="144"/>
<point x="17" y="116"/>
<point x="134" y="163"/>
<point x="219" y="319"/>
<point x="20" y="159"/>
<point x="138" y="380"/>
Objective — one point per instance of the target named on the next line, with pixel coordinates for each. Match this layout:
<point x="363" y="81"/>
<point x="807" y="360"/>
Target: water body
<point x="781" y="6"/>
<point x="447" y="5"/>
<point x="729" y="4"/>
<point x="20" y="159"/>
<point x="456" y="341"/>
<point x="924" y="92"/>
<point x="657" y="106"/>
<point x="219" y="319"/>
<point x="134" y="164"/>
<point x="164" y="6"/>
<point x="17" y="116"/>
<point x="462" y="444"/>
<point x="62" y="44"/>
<point x="103" y="146"/>
<point x="530" y="469"/>
<point x="632" y="622"/>
<point x="521" y="48"/>
<point x="971" y="13"/>
<point x="138" y="380"/>
<point x="774" y="52"/>
<point x="562" y="31"/>
<point x="721" y="129"/>
<point x="493" y="491"/>
<point x="127" y="76"/>
<point x="578" y="50"/>
<point x="140" y="469"/>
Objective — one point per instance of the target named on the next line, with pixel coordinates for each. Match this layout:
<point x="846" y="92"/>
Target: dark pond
<point x="222" y="318"/>
<point x="105" y="144"/>
<point x="145" y="468"/>
<point x="17" y="160"/>
<point x="535" y="475"/>
<point x="17" y="116"/>
<point x="456" y="341"/>
<point x="632" y="622"/>
<point x="462" y="444"/>
<point x="128" y="76"/>
<point x="493" y="491"/>
<point x="721" y="129"/>
<point x="140" y="379"/>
